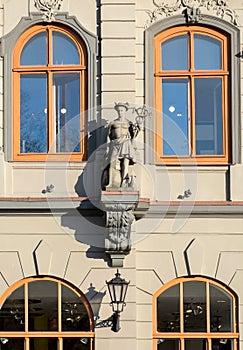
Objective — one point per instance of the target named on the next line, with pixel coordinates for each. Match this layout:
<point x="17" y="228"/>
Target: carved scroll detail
<point x="48" y="8"/>
<point x="192" y="13"/>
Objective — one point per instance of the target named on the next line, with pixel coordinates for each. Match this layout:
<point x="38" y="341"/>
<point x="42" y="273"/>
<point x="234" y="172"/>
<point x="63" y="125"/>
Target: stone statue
<point x="120" y="152"/>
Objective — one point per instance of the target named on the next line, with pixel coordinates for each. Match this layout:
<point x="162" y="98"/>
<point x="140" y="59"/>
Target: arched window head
<point x="45" y="313"/>
<point x="50" y="92"/>
<point x="194" y="313"/>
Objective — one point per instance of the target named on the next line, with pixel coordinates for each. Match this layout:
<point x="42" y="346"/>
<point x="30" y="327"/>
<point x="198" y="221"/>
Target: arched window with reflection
<point x="192" y="81"/>
<point x="45" y="313"/>
<point x="195" y="314"/>
<point x="49" y="84"/>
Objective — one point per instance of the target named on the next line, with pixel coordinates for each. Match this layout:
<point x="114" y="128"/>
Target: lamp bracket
<point x="113" y="321"/>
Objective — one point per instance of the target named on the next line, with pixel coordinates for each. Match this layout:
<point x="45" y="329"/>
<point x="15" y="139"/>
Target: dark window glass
<point x="12" y="315"/>
<point x="221" y="319"/>
<point x="167" y="344"/>
<point x="175" y="117"/>
<point x="207" y="53"/>
<point x="64" y="50"/>
<point x="222" y="344"/>
<point x="209" y="124"/>
<point x="175" y="53"/>
<point x="168" y="310"/>
<point x="33" y="113"/>
<point x="74" y="313"/>
<point x="43" y="343"/>
<point x="11" y="343"/>
<point x="194" y="306"/>
<point x="43" y="306"/>
<point x="195" y="344"/>
<point x="67" y="112"/>
<point x="34" y="52"/>
<point x="76" y="344"/>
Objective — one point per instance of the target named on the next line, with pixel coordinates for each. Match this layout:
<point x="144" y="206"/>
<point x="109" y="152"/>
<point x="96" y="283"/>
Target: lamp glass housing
<point x="117" y="287"/>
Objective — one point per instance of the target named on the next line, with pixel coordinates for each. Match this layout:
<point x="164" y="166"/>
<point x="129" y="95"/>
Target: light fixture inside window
<point x="4" y="340"/>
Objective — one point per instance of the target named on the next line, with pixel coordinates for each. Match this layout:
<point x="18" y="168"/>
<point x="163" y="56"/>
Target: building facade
<point x="120" y="148"/>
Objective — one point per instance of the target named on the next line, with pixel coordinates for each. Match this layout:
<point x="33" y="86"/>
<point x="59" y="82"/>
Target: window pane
<point x="43" y="306"/>
<point x="167" y="344"/>
<point x="194" y="306"/>
<point x="207" y="52"/>
<point x="74" y="314"/>
<point x="222" y="344"/>
<point x="64" y="50"/>
<point x="195" y="344"/>
<point x="34" y="52"/>
<point x="43" y="343"/>
<point x="33" y="116"/>
<point x="11" y="343"/>
<point x="175" y="53"/>
<point x="209" y="121"/>
<point x="221" y="319"/>
<point x="175" y="117"/>
<point x="76" y="343"/>
<point x="67" y="112"/>
<point x="168" y="310"/>
<point x="12" y="312"/>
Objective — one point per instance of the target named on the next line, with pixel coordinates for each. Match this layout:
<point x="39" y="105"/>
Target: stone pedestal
<point x="118" y="207"/>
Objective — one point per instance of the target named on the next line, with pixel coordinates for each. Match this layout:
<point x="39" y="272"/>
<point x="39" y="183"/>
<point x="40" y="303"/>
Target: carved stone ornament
<point x="192" y="10"/>
<point x="118" y="209"/>
<point x="48" y="8"/>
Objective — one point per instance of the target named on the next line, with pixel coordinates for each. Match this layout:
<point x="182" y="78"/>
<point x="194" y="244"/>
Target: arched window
<point x="45" y="313"/>
<point x="194" y="314"/>
<point x="49" y="95"/>
<point x="192" y="95"/>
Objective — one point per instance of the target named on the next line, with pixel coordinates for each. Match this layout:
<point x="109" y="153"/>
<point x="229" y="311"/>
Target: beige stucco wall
<point x="213" y="245"/>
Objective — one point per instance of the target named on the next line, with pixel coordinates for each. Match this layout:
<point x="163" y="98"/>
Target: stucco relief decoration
<point x="118" y="224"/>
<point x="48" y="8"/>
<point x="192" y="11"/>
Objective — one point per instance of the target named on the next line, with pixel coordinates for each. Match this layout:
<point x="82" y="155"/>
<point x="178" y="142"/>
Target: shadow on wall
<point x="87" y="227"/>
<point x="89" y="182"/>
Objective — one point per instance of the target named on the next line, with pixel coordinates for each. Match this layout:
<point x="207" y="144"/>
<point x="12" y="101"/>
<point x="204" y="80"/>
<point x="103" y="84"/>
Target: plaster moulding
<point x="48" y="8"/>
<point x="191" y="7"/>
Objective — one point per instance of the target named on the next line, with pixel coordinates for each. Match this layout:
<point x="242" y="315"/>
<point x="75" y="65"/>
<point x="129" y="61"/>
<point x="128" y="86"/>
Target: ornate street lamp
<point x="117" y="287"/>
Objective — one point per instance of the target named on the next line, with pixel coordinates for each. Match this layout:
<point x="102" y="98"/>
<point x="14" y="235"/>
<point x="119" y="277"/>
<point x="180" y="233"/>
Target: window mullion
<point x="192" y="112"/>
<point x="50" y="113"/>
<point x="59" y="298"/>
<point x="191" y="52"/>
<point x="26" y="307"/>
<point x="181" y="309"/>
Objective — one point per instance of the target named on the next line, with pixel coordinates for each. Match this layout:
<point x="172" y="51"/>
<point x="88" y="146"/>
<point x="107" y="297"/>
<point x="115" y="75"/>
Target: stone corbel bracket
<point x="118" y="208"/>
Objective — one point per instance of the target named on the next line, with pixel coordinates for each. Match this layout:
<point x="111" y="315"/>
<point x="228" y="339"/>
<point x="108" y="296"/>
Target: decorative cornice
<point x="191" y="9"/>
<point x="48" y="8"/>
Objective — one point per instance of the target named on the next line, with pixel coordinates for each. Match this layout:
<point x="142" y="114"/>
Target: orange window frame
<point x="49" y="70"/>
<point x="208" y="336"/>
<point x="59" y="334"/>
<point x="191" y="74"/>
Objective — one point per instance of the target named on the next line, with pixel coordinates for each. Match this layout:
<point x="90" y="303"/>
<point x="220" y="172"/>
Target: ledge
<point x="145" y="207"/>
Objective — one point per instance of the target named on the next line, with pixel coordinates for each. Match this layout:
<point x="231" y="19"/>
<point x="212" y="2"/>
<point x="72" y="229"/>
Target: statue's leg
<point x="114" y="175"/>
<point x="124" y="170"/>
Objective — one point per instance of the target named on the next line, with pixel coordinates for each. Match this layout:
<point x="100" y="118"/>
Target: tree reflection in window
<point x="49" y="77"/>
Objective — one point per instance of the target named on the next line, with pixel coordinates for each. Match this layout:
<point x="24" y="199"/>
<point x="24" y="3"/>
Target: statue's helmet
<point x="121" y="104"/>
